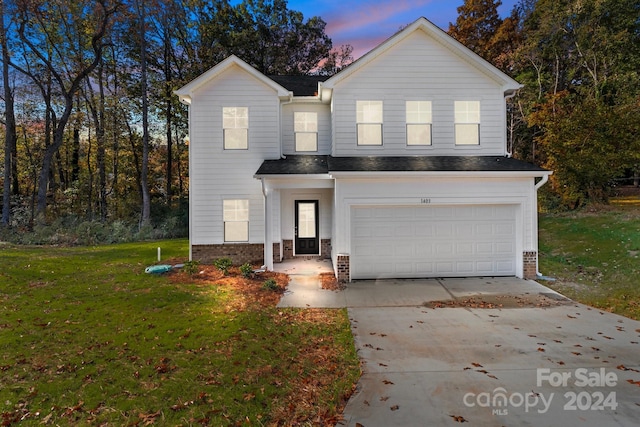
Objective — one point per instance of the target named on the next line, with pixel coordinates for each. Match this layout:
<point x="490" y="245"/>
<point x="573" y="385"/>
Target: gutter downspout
<point x="282" y="104"/>
<point x="539" y="184"/>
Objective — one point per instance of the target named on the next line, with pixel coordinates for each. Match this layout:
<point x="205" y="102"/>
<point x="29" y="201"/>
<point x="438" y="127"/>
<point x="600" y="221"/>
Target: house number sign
<point x="425" y="200"/>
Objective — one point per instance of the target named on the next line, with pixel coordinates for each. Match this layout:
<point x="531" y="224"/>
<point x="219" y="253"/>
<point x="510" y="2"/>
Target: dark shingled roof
<point x="305" y="164"/>
<point x="300" y="85"/>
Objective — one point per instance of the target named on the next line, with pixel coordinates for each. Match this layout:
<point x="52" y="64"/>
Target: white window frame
<point x="235" y="217"/>
<point x="369" y="118"/>
<point x="235" y="128"/>
<point x="418" y="123"/>
<point x="467" y="123"/>
<point x="305" y="128"/>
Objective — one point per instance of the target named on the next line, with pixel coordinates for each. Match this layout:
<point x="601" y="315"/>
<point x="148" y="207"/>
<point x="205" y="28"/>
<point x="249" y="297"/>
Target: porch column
<point x="268" y="232"/>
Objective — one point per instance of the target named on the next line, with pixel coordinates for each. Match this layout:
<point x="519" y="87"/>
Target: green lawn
<point x="595" y="256"/>
<point x="86" y="337"/>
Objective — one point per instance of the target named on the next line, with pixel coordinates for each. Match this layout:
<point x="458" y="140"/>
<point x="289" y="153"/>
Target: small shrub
<point x="270" y="285"/>
<point x="246" y="270"/>
<point x="191" y="267"/>
<point x="223" y="264"/>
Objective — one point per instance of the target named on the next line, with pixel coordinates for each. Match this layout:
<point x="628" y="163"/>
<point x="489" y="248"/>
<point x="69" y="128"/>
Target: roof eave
<point x="440" y="174"/>
<point x="186" y="92"/>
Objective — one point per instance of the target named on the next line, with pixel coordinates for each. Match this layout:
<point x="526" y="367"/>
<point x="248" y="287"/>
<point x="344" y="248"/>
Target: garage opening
<point x="433" y="241"/>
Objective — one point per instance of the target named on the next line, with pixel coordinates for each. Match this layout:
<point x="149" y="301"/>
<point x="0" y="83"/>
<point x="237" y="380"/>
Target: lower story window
<point x="236" y="220"/>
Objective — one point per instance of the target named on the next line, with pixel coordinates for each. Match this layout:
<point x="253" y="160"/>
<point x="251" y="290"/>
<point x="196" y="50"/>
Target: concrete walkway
<point x="544" y="361"/>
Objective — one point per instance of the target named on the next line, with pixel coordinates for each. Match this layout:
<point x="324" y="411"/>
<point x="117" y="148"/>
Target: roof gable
<point x="185" y="92"/>
<point x="437" y="35"/>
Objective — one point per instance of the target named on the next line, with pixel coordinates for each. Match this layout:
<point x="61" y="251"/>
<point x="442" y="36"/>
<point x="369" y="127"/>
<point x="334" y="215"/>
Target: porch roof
<point x="318" y="165"/>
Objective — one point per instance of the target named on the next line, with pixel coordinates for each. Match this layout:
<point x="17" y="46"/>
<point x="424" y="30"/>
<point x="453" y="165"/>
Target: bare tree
<point x="9" y="122"/>
<point x="68" y="51"/>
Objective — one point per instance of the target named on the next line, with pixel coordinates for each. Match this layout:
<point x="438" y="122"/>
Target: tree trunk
<point x="146" y="197"/>
<point x="10" y="125"/>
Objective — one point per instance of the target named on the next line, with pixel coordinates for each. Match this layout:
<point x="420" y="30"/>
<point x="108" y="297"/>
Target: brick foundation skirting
<point x="343" y="268"/>
<point x="276" y="253"/>
<point x="530" y="264"/>
<point x="238" y="252"/>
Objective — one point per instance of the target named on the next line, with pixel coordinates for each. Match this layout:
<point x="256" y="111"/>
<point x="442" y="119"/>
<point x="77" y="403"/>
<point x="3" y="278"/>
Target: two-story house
<point x="397" y="166"/>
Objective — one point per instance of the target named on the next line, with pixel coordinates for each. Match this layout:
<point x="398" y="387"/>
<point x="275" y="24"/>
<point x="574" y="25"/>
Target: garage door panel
<point x="505" y="248"/>
<point x="433" y="241"/>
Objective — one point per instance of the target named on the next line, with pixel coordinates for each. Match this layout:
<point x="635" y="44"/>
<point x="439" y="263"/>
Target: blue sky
<point x="366" y="23"/>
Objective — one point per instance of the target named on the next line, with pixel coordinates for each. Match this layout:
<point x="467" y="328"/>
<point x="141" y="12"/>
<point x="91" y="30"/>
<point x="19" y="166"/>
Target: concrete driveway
<point x="483" y="351"/>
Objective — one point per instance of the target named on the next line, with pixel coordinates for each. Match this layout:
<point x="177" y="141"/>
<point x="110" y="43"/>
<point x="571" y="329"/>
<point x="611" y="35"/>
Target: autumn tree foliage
<point x="99" y="135"/>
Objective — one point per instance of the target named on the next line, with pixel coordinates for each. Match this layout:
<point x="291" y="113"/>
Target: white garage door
<point x="433" y="241"/>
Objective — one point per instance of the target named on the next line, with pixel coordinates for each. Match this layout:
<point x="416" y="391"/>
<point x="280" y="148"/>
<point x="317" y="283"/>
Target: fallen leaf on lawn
<point x="387" y="382"/>
<point x="395" y="407"/>
<point x="492" y="376"/>
<point x="634" y="382"/>
<point x="576" y="353"/>
<point x="595" y="349"/>
<point x="540" y="349"/>
<point x="609" y="338"/>
<point x="482" y="371"/>
<point x="570" y="316"/>
<point x="148" y="419"/>
<point x="382" y="364"/>
<point x="558" y="341"/>
<point x="477" y="365"/>
<point x="384" y="398"/>
<point x="359" y="425"/>
<point x="458" y="418"/>
<point x="624" y="368"/>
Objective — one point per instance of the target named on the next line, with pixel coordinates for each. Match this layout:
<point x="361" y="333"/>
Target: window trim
<point x="305" y="132"/>
<point x="235" y="221"/>
<point x="361" y="123"/>
<point x="236" y="127"/>
<point x="467" y="121"/>
<point x="427" y="121"/>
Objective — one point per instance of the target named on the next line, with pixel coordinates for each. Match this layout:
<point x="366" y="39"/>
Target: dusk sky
<point x="366" y="23"/>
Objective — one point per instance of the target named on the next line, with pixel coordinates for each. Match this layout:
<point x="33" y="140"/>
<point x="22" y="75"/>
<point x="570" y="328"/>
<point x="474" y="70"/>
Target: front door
<point x="307" y="241"/>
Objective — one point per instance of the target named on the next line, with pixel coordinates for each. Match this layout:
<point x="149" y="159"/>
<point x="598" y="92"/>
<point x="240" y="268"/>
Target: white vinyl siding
<point x="418" y="122"/>
<point x="369" y="122"/>
<point x="228" y="174"/>
<point x="467" y="122"/>
<point x="236" y="220"/>
<point x="419" y="68"/>
<point x="305" y="126"/>
<point x="323" y="123"/>
<point x="235" y="125"/>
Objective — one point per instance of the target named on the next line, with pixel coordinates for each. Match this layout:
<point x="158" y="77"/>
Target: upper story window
<point x="467" y="122"/>
<point x="418" y="122"/>
<point x="235" y="213"/>
<point x="369" y="122"/>
<point x="305" y="127"/>
<point x="235" y="125"/>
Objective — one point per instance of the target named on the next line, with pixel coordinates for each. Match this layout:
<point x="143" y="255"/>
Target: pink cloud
<point x="364" y="25"/>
